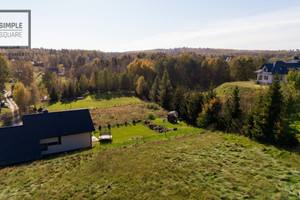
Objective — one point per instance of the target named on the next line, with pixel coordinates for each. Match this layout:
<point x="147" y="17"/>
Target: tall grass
<point x="188" y="166"/>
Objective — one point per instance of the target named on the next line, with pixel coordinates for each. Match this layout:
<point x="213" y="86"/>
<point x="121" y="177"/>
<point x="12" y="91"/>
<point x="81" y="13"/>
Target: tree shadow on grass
<point x="112" y="95"/>
<point x="294" y="149"/>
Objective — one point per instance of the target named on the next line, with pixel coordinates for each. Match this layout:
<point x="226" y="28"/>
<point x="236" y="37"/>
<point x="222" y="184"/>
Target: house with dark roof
<point x="267" y="72"/>
<point x="45" y="133"/>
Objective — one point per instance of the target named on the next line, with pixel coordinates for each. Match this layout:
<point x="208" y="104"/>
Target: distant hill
<point x="222" y="52"/>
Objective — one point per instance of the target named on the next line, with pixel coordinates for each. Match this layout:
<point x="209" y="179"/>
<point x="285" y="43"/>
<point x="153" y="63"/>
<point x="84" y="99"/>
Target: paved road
<point x="16" y="119"/>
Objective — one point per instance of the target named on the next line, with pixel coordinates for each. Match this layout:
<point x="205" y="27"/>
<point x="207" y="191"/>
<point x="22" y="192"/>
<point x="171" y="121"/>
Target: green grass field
<point x="92" y="103"/>
<point x="124" y="134"/>
<point x="187" y="166"/>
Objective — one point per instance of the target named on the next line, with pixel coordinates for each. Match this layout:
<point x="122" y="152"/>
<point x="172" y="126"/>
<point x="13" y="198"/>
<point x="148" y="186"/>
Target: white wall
<point x="69" y="142"/>
<point x="270" y="78"/>
<point x="263" y="81"/>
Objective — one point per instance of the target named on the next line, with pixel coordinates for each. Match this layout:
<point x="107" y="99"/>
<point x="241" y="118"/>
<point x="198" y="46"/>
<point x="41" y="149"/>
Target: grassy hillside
<point x="196" y="166"/>
<point x="246" y="88"/>
<point x="91" y="103"/>
<point x="125" y="113"/>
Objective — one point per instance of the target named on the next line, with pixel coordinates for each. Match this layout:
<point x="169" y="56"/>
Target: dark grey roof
<point x="280" y="67"/>
<point x="21" y="143"/>
<point x="59" y="123"/>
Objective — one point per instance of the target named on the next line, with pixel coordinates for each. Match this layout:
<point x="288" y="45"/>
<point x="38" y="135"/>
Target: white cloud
<point x="273" y="30"/>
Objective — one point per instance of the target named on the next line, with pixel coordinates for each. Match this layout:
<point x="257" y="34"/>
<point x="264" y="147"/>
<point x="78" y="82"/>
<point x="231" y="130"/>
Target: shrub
<point x="152" y="106"/>
<point x="151" y="116"/>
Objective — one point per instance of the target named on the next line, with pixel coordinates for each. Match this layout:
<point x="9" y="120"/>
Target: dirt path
<point x="16" y="119"/>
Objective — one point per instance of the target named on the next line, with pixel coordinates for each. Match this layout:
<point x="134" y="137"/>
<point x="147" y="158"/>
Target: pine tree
<point x="272" y="111"/>
<point x="233" y="112"/>
<point x="54" y="96"/>
<point x="194" y="107"/>
<point x="92" y="82"/>
<point x="65" y="92"/>
<point x="270" y="120"/>
<point x="178" y="98"/>
<point x="165" y="91"/>
<point x="125" y="82"/>
<point x="84" y="83"/>
<point x="253" y="118"/>
<point x="154" y="90"/>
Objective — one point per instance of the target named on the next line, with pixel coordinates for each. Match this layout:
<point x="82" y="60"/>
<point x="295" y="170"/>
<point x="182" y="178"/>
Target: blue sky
<point x="113" y="25"/>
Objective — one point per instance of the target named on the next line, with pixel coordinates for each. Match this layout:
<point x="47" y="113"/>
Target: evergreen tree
<point x="154" y="90"/>
<point x="253" y="117"/>
<point x="71" y="89"/>
<point x="115" y="82"/>
<point x="233" y="112"/>
<point x="54" y="96"/>
<point x="84" y="83"/>
<point x="194" y="107"/>
<point x="271" y="120"/>
<point x="125" y="82"/>
<point x="165" y="91"/>
<point x="65" y="92"/>
<point x="272" y="111"/>
<point x="92" y="82"/>
<point x="178" y="98"/>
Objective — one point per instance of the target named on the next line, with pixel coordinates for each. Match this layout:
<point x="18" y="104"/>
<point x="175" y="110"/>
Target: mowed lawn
<point x="126" y="133"/>
<point x="139" y="131"/>
<point x="92" y="103"/>
<point x="209" y="165"/>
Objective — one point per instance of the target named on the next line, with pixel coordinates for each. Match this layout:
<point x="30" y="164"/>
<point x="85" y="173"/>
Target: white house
<point x="267" y="72"/>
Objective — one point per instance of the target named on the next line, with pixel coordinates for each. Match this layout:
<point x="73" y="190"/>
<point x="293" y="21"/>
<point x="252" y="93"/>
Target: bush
<point x="151" y="116"/>
<point x="152" y="106"/>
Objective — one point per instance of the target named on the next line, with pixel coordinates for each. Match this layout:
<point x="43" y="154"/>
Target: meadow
<point x="91" y="103"/>
<point x="206" y="165"/>
<point x="247" y="88"/>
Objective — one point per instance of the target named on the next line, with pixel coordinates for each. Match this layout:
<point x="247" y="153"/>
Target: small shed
<point x="173" y="117"/>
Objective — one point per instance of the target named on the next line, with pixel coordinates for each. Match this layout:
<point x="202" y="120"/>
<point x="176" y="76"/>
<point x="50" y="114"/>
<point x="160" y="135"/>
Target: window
<point x="265" y="69"/>
<point x="260" y="77"/>
<point x="266" y="77"/>
<point x="45" y="143"/>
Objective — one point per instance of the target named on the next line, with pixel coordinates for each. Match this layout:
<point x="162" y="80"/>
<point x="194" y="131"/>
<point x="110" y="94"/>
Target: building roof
<point x="22" y="143"/>
<point x="61" y="123"/>
<point x="281" y="67"/>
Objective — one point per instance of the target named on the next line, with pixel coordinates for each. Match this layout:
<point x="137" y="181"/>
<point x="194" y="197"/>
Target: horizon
<point x="118" y="26"/>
